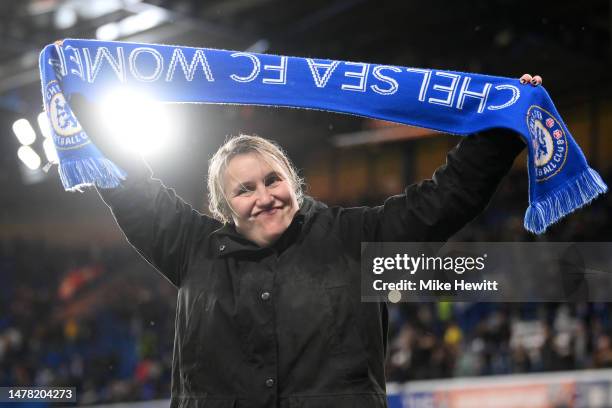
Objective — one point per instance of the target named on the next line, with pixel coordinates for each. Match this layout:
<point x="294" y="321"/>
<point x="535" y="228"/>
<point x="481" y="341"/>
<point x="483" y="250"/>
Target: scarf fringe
<point x="578" y="192"/>
<point x="100" y="172"/>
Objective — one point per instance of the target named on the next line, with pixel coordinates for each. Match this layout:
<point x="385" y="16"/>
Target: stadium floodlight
<point x="65" y="17"/>
<point x="24" y="131"/>
<point x="50" y="152"/>
<point x="29" y="157"/>
<point x="135" y="121"/>
<point x="44" y="125"/>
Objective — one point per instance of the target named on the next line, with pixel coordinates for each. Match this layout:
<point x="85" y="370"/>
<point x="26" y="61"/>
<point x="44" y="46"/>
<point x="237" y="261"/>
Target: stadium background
<point x="78" y="307"/>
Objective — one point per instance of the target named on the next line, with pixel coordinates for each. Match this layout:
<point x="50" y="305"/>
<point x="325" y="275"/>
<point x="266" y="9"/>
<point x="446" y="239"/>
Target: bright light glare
<point x="50" y="151"/>
<point x="108" y="32"/>
<point x="29" y="157"/>
<point x="65" y="17"/>
<point x="142" y="21"/>
<point x="97" y="8"/>
<point x="24" y="131"/>
<point x="132" y="25"/>
<point x="44" y="125"/>
<point x="135" y="121"/>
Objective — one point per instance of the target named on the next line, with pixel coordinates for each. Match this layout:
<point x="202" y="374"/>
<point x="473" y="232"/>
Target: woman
<point x="269" y="311"/>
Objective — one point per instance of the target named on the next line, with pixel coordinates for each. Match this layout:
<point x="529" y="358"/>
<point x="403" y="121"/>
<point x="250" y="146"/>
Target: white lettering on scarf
<point x="76" y="59"/>
<point x="388" y="80"/>
<point x="464" y="92"/>
<point x="103" y="54"/>
<point x="321" y="81"/>
<point x="426" y="78"/>
<point x="159" y="64"/>
<point x="482" y="96"/>
<point x="199" y="58"/>
<point x="436" y="87"/>
<point x="58" y="65"/>
<point x="254" y="72"/>
<point x="362" y="75"/>
<point x="282" y="69"/>
<point x="516" y="94"/>
<point x="448" y="89"/>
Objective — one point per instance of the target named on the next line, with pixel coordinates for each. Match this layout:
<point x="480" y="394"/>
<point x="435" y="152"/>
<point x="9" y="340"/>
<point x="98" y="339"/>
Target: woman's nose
<point x="264" y="198"/>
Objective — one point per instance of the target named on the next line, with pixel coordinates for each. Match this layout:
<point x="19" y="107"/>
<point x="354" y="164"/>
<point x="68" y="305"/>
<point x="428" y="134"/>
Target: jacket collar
<point x="229" y="241"/>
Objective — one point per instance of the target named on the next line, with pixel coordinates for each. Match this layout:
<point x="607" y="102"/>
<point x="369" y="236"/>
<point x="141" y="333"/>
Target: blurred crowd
<point x="99" y="320"/>
<point x="445" y="339"/>
<point x="88" y="319"/>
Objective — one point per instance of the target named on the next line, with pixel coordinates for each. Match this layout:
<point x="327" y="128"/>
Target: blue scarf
<point x="560" y="179"/>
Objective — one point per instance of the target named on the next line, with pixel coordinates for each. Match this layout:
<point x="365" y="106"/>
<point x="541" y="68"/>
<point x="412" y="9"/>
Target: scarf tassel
<point x="97" y="171"/>
<point x="579" y="191"/>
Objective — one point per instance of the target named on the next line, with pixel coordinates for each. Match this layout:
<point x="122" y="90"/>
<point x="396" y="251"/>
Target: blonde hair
<point x="243" y="144"/>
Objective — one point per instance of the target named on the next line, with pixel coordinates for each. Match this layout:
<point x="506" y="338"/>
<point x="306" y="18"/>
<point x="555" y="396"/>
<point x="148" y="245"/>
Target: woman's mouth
<point x="269" y="212"/>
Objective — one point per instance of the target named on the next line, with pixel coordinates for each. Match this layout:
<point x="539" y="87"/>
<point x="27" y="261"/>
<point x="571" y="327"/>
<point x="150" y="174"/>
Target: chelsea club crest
<point x="67" y="131"/>
<point x="548" y="141"/>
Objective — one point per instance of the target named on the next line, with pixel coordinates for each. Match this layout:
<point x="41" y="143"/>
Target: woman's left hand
<point x="533" y="80"/>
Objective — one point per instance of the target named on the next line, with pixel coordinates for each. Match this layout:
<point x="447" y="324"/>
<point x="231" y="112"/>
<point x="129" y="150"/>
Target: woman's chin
<point x="272" y="233"/>
<point x="271" y="238"/>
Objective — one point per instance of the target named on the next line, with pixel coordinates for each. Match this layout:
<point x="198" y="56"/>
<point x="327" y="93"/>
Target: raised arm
<point x="157" y="222"/>
<point x="435" y="209"/>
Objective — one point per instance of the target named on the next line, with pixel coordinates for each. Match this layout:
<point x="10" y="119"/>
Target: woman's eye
<point x="243" y="191"/>
<point x="272" y="181"/>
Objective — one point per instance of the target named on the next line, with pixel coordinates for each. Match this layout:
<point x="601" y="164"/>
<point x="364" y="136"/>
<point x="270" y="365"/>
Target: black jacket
<point x="284" y="326"/>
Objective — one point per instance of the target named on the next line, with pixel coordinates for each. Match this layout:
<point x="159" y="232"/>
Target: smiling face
<point x="262" y="200"/>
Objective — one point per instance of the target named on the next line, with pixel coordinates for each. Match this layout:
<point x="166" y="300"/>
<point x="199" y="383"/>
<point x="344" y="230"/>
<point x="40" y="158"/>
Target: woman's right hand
<point x="533" y="80"/>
